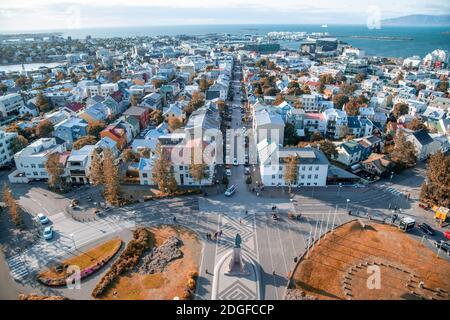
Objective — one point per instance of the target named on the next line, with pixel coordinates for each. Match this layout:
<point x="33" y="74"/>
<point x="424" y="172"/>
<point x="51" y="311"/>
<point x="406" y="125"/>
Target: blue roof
<point x="353" y="122"/>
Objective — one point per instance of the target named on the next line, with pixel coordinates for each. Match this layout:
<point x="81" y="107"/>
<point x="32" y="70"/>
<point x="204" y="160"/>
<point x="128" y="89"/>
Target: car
<point x="247" y="171"/>
<point x="443" y="245"/>
<point x="42" y="218"/>
<point x="48" y="233"/>
<point x="447" y="234"/>
<point x="230" y="191"/>
<point x="426" y="228"/>
<point x="235" y="162"/>
<point x="228" y="172"/>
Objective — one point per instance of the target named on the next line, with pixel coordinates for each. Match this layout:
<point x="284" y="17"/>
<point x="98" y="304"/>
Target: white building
<point x="336" y="120"/>
<point x="102" y="90"/>
<point x="6" y="154"/>
<point x="79" y="164"/>
<point x="10" y="106"/>
<point x="30" y="161"/>
<point x="312" y="165"/>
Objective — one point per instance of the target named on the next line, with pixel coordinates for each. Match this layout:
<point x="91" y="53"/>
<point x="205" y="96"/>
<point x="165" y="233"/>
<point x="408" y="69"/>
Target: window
<point x="35" y="173"/>
<point x="316" y="176"/>
<point x="303" y="176"/>
<point x="144" y="175"/>
<point x="41" y="166"/>
<point x="33" y="165"/>
<point x="181" y="167"/>
<point x="280" y="176"/>
<point x="310" y="168"/>
<point x="317" y="168"/>
<point x="303" y="168"/>
<point x="309" y="176"/>
<point x="273" y="176"/>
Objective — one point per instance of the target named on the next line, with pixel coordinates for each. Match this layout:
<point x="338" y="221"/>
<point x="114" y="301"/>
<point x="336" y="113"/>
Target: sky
<point x="36" y="15"/>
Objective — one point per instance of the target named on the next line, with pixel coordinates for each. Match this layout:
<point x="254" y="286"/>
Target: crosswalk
<point x="17" y="267"/>
<point x="394" y="191"/>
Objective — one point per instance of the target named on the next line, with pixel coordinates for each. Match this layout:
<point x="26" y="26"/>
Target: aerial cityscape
<point x="197" y="159"/>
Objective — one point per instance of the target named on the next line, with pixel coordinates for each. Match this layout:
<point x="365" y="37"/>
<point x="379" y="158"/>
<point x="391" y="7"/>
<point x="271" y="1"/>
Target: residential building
<point x="79" y="163"/>
<point x="10" y="106"/>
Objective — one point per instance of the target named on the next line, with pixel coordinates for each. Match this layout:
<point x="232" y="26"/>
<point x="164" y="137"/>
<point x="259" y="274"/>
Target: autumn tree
<point x="339" y="100"/>
<point x="55" y="170"/>
<point x="436" y="188"/>
<point x="161" y="170"/>
<point x="403" y="154"/>
<point x="128" y="155"/>
<point x="95" y="127"/>
<point x="96" y="170"/>
<point x="156" y="117"/>
<point x="316" y="136"/>
<point x="12" y="206"/>
<point x="84" y="141"/>
<point x="158" y="83"/>
<point x="197" y="101"/>
<point x="328" y="148"/>
<point x="443" y="86"/>
<point x="18" y="143"/>
<point x="134" y="101"/>
<point x="111" y="178"/>
<point x="326" y="79"/>
<point x="42" y="102"/>
<point x="203" y="85"/>
<point x="360" y="77"/>
<point x="174" y="123"/>
<point x="44" y="129"/>
<point x="416" y="124"/>
<point x="290" y="171"/>
<point x="400" y="109"/>
<point x="352" y="108"/>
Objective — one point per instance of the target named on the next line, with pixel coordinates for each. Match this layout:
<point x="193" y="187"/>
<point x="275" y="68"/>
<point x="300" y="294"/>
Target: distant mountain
<point x="418" y="20"/>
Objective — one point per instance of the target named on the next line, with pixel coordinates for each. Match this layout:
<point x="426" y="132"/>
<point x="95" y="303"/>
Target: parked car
<point x="228" y="172"/>
<point x="426" y="228"/>
<point x="230" y="191"/>
<point x="247" y="171"/>
<point x="42" y="218"/>
<point x="48" y="233"/>
<point x="443" y="245"/>
<point x="235" y="162"/>
<point x="447" y="234"/>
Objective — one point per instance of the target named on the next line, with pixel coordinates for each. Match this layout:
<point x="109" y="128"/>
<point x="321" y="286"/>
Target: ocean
<point x="424" y="39"/>
<point x="416" y="40"/>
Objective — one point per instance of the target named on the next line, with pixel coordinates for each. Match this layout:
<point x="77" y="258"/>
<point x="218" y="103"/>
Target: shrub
<point x="127" y="260"/>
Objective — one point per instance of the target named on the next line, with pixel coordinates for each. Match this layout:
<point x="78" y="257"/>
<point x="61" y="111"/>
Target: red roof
<point x="75" y="106"/>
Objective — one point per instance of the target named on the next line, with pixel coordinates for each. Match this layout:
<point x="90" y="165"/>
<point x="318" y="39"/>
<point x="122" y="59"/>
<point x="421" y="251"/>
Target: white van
<point x="229" y="192"/>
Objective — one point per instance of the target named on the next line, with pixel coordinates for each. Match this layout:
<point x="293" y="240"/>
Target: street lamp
<point x="346" y="208"/>
<point x="339" y="188"/>
<point x="392" y="175"/>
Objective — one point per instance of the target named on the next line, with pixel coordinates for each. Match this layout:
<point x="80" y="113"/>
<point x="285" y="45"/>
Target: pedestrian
<point x="246" y="211"/>
<point x="295" y="259"/>
<point x="220" y="232"/>
<point x="240" y="221"/>
<point x="215" y="235"/>
<point x="174" y="219"/>
<point x="273" y="273"/>
<point x="206" y="271"/>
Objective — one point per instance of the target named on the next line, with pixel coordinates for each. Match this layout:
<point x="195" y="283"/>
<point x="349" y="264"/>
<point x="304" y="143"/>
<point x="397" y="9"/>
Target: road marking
<point x="271" y="262"/>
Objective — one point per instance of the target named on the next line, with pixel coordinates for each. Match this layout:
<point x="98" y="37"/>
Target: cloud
<point x="59" y="14"/>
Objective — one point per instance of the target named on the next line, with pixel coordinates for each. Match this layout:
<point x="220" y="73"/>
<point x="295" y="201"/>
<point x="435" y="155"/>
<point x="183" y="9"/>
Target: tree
<point x="328" y="148"/>
<point x="360" y="77"/>
<point x="197" y="101"/>
<point x="326" y="78"/>
<point x="290" y="171"/>
<point x="55" y="170"/>
<point x="42" y="102"/>
<point x="11" y="204"/>
<point x="158" y="83"/>
<point x="416" y="124"/>
<point x="271" y="91"/>
<point x="290" y="135"/>
<point x="129" y="156"/>
<point x="403" y="153"/>
<point x="400" y="109"/>
<point x="161" y="169"/>
<point x="316" y="136"/>
<point x="436" y="188"/>
<point x="352" y="108"/>
<point x="174" y="123"/>
<point x="95" y="127"/>
<point x="18" y="143"/>
<point x="111" y="178"/>
<point x="156" y="117"/>
<point x="44" y="129"/>
<point x="278" y="100"/>
<point x="339" y="100"/>
<point x="203" y="85"/>
<point x="84" y="141"/>
<point x="96" y="170"/>
<point x="134" y="101"/>
<point x="443" y="86"/>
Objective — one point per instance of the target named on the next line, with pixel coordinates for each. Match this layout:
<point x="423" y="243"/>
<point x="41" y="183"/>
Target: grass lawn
<point x="167" y="284"/>
<point x="87" y="259"/>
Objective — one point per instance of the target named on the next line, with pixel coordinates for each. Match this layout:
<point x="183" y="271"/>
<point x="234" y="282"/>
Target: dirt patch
<point x="343" y="266"/>
<point x="174" y="277"/>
